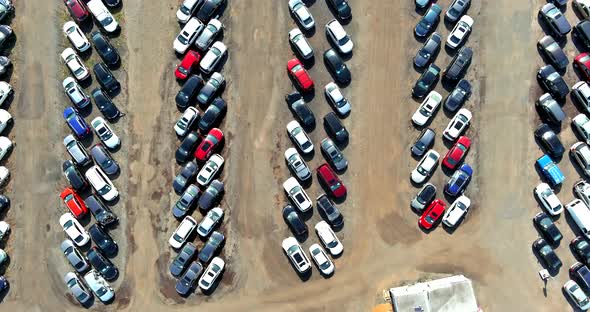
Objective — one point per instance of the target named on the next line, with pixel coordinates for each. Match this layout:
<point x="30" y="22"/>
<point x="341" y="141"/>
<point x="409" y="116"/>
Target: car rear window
<point x="300" y="198"/>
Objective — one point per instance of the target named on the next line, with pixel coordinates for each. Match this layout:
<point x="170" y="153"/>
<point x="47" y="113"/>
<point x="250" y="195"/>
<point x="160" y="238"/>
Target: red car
<point x="329" y="178"/>
<point x="434" y="211"/>
<point x="190" y="61"/>
<point x="208" y="144"/>
<point x="456" y="154"/>
<point x="77" y="10"/>
<point x="300" y="75"/>
<point x="74" y="202"/>
<point x="582" y="63"/>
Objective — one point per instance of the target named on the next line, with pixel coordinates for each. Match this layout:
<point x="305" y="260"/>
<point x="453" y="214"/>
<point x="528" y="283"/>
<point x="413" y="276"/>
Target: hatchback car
<point x="105" y="104"/>
<point x="77" y="288"/>
<point x="426" y="81"/>
<point x="458" y="209"/>
<point x="329" y="211"/>
<point x="457" y="152"/>
<point x="103" y="159"/>
<point x="458" y="96"/>
<point x="187" y="35"/>
<point x="186" y="66"/>
<point x="301" y="14"/>
<point x="294" y="221"/>
<point x="182" y="259"/>
<point x="428" y="21"/>
<point x="297" y="165"/>
<point x="103" y="240"/>
<point x="208" y="144"/>
<point x="460" y="32"/>
<point x="76" y="123"/>
<point x="581" y="248"/>
<point x="187" y="281"/>
<point x="456" y="9"/>
<point x="337" y="67"/>
<point x="75" y="93"/>
<point x="302" y="79"/>
<point x="577" y="295"/>
<point x="74" y="257"/>
<point x="74" y="177"/>
<point x="297" y="194"/>
<point x="105" y="78"/>
<point x="76" y="151"/>
<point x="333" y="154"/>
<point x="581" y="125"/>
<point x="209" y="33"/>
<point x="182" y="232"/>
<point x="185" y="177"/>
<point x="581" y="153"/>
<point x="76" y="36"/>
<point x="101" y="183"/>
<point x="210" y="89"/>
<point x="547" y="228"/>
<point x="549" y="141"/>
<point x="211" y="195"/>
<point x="555" y="20"/>
<point x="101" y="212"/>
<point x="75" y="64"/>
<point x="459" y="64"/>
<point x="428" y="52"/>
<point x="107" y="52"/>
<point x="457" y="125"/>
<point x="299" y="137"/>
<point x="424" y="197"/>
<point x="547" y="254"/>
<point x="189" y="90"/>
<point x="211" y="246"/>
<point x="99" y="286"/>
<point x="74" y="229"/>
<point x="548" y="199"/>
<point x="339" y="37"/>
<point x="210" y="169"/>
<point x="329" y="238"/>
<point x="185" y="150"/>
<point x="432" y="214"/>
<point x="553" y="52"/>
<point x="212" y="115"/>
<point x="459" y="180"/>
<point x="338" y="101"/>
<point x="335" y="129"/>
<point x="425" y="167"/>
<point x="300" y="110"/>
<point x="74" y="202"/>
<point x="302" y="46"/>
<point x="331" y="181"/>
<point x="552" y="82"/>
<point x="209" y="62"/>
<point x="427" y="109"/>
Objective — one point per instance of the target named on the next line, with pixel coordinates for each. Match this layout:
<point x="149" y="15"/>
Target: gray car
<point x="74" y="256"/>
<point x="183" y="258"/>
<point x="185" y="177"/>
<point x="103" y="159"/>
<point x="213" y="243"/>
<point x="76" y="151"/>
<point x="211" y="195"/>
<point x="553" y="52"/>
<point x="456" y="10"/>
<point x="555" y="20"/>
<point x="102" y="213"/>
<point x="208" y="34"/>
<point x="210" y="88"/>
<point x="550" y="109"/>
<point x="78" y="288"/>
<point x="333" y="154"/>
<point x="186" y="201"/>
<point x="330" y="211"/>
<point x="189" y="278"/>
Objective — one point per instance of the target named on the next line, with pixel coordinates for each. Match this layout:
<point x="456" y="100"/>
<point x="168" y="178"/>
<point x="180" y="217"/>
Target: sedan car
<point x="456" y="9"/>
<point x="459" y="180"/>
<point x="212" y="57"/>
<point x="186" y="148"/>
<point x="211" y="195"/>
<point x="457" y="125"/>
<point x="300" y="110"/>
<point x="301" y="14"/>
<point x="208" y="145"/>
<point x="335" y="129"/>
<point x="581" y="153"/>
<point x="75" y="64"/>
<point x="428" y="52"/>
<point x="107" y="52"/>
<point x="555" y="20"/>
<point x="297" y="194"/>
<point x="337" y="67"/>
<point x="99" y="286"/>
<point x="105" y="104"/>
<point x="77" y="288"/>
<point x="460" y="32"/>
<point x="296" y="255"/>
<point x="74" y="229"/>
<point x="76" y="151"/>
<point x="320" y="258"/>
<point x="210" y="89"/>
<point x="459" y="64"/>
<point x="77" y="10"/>
<point x="211" y="273"/>
<point x="302" y="79"/>
<point x="423" y="142"/>
<point x="427" y="109"/>
<point x="333" y="154"/>
<point x="581" y="125"/>
<point x="76" y="123"/>
<point x="548" y="199"/>
<point x="457" y="152"/>
<point x="581" y="92"/>
<point x="294" y="221"/>
<point x="432" y="214"/>
<point x="581" y="248"/>
<point x="428" y="21"/>
<point x="298" y="40"/>
<point x="74" y="257"/>
<point x="187" y="35"/>
<point x="74" y="202"/>
<point x="188" y="280"/>
<point x="76" y="36"/>
<point x="458" y="209"/>
<point x="186" y="121"/>
<point x="329" y="238"/>
<point x="105" y="133"/>
<point x="549" y="141"/>
<point x="210" y="169"/>
<point x="424" y="197"/>
<point x="547" y="254"/>
<point x="577" y="295"/>
<point x="5" y="146"/>
<point x="103" y="240"/>
<point x="337" y="99"/>
<point x="331" y="181"/>
<point x="329" y="211"/>
<point x="186" y="201"/>
<point x="185" y="177"/>
<point x="105" y="78"/>
<point x="102" y="15"/>
<point x="103" y="159"/>
<point x="75" y="93"/>
<point x="339" y="37"/>
<point x="182" y="259"/>
<point x="458" y="96"/>
<point x="211" y="246"/>
<point x="102" y="213"/>
<point x="74" y="177"/>
<point x="425" y="167"/>
<point x="212" y="115"/>
<point x="549" y="109"/>
<point x="299" y="137"/>
<point x="553" y="52"/>
<point x="208" y="8"/>
<point x="341" y="8"/>
<point x="297" y="164"/>
<point x="208" y="34"/>
<point x="102" y="264"/>
<point x="189" y="90"/>
<point x="547" y="228"/>
<point x="552" y="82"/>
<point x="182" y="232"/>
<point x="426" y="82"/>
<point x="5" y="119"/>
<point x="186" y="66"/>
<point x="5" y="33"/>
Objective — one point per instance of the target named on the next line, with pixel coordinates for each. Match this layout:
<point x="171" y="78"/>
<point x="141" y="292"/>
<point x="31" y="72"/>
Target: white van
<point x="102" y="15"/>
<point x="581" y="215"/>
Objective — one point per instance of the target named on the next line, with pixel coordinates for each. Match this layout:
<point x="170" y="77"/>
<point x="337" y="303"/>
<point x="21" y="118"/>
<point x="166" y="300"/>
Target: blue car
<point x="428" y="22"/>
<point x="76" y="122"/>
<point x="459" y="180"/>
<point x="550" y="170"/>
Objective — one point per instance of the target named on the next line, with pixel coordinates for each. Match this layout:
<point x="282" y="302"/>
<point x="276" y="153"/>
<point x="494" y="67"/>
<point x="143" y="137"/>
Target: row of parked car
<point x="90" y="172"/>
<point x="331" y="146"/>
<point x="201" y="60"/>
<point x="549" y="107"/>
<point x="431" y="209"/>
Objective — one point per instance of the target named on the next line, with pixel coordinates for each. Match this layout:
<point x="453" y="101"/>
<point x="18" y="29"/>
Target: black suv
<point x="429" y="51"/>
<point x="211" y="115"/>
<point x="105" y="104"/>
<point x="423" y="143"/>
<point x="185" y="151"/>
<point x="335" y="129"/>
<point x="337" y="67"/>
<point x="102" y="264"/>
<point x="105" y="49"/>
<point x="549" y="141"/>
<point x="552" y="82"/>
<point x="103" y="240"/>
<point x="459" y="64"/>
<point x="547" y="228"/>
<point x="330" y="211"/>
<point x="102" y="213"/>
<point x="458" y="96"/>
<point x="188" y="91"/>
<point x="301" y="111"/>
<point x="105" y="78"/>
<point x="547" y="254"/>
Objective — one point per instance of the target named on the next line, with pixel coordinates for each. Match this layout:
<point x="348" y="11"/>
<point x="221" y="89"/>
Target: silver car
<point x="456" y="9"/>
<point x="75" y="258"/>
<point x="76" y="150"/>
<point x="297" y="164"/>
<point x="78" y="288"/>
<point x="333" y="154"/>
<point x="208" y="34"/>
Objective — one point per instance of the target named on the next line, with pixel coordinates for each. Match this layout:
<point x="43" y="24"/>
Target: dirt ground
<point x="383" y="245"/>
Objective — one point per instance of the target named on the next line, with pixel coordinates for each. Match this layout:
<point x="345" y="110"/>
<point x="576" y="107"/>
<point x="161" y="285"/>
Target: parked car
<point x="77" y="288"/>
<point x="5" y="33"/>
<point x="105" y="78"/>
<point x="301" y="14"/>
<point x="429" y="51"/>
<point x="211" y="246"/>
<point x="548" y="199"/>
<point x="329" y="238"/>
<point x="185" y="177"/>
<point x="185" y="150"/>
<point x="298" y="73"/>
<point x="75" y="36"/>
<point x="74" y="177"/>
<point x="421" y="4"/>
<point x="338" y="36"/>
<point x="337" y="99"/>
<point x="182" y="232"/>
<point x="5" y="146"/>
<point x="456" y="9"/>
<point x="300" y="110"/>
<point x="547" y="254"/>
<point x="329" y="210"/>
<point x="187" y="281"/>
<point x="99" y="286"/>
<point x="297" y="164"/>
<point x="432" y="214"/>
<point x="460" y="32"/>
<point x="428" y="21"/>
<point x="209" y="33"/>
<point x="74" y="202"/>
<point x="77" y="10"/>
<point x="552" y="82"/>
<point x="582" y="33"/>
<point x="5" y="91"/>
<point x="189" y="90"/>
<point x="549" y="141"/>
<point x="101" y="212"/>
<point x="103" y="159"/>
<point x="426" y="82"/>
<point x="550" y="170"/>
<point x="459" y="64"/>
<point x="76" y="123"/>
<point x="4" y="203"/>
<point x="457" y="125"/>
<point x="333" y="154"/>
<point x="210" y="89"/>
<point x="583" y="8"/>
<point x="550" y="110"/>
<point x="581" y="153"/>
<point x="582" y="191"/>
<point x="294" y="221"/>
<point x="458" y="209"/>
<point x="186" y="201"/>
<point x="577" y="295"/>
<point x="187" y="9"/>
<point x="112" y="3"/>
<point x="581" y="92"/>
<point x="187" y="65"/>
<point x="211" y="273"/>
<point x="427" y="109"/>
<point x="105" y="105"/>
<point x="74" y="257"/>
<point x="210" y="169"/>
<point x="424" y="197"/>
<point x="335" y="129"/>
<point x="297" y="194"/>
<point x="212" y="115"/>
<point x="70" y="226"/>
<point x="337" y="67"/>
<point x="547" y="228"/>
<point x="555" y="20"/>
<point x="581" y="248"/>
<point x="299" y="137"/>
<point x="320" y="258"/>
<point x="208" y="8"/>
<point x="210" y="221"/>
<point x="107" y="52"/>
<point x="458" y="96"/>
<point x="302" y="46"/>
<point x="183" y="259"/>
<point x="186" y="121"/>
<point x="105" y="133"/>
<point x="103" y="240"/>
<point x="331" y="181"/>
<point x="212" y="57"/>
<point x="211" y="195"/>
<point x="76" y="151"/>
<point x="581" y="125"/>
<point x="553" y="52"/>
<point x="425" y="167"/>
<point x="582" y="64"/>
<point x="75" y="93"/>
<point x="102" y="15"/>
<point x="459" y="180"/>
<point x="74" y="64"/>
<point x="209" y="143"/>
<point x="101" y="183"/>
<point x="341" y="8"/>
<point x="423" y="143"/>
<point x="188" y="35"/>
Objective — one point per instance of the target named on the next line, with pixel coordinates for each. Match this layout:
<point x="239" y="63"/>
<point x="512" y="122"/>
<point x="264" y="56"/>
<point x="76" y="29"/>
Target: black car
<point x="111" y="3"/>
<point x="582" y="33"/>
<point x="210" y="88"/>
<point x="4" y="203"/>
<point x="330" y="211"/>
<point x="102" y="213"/>
<point x="189" y="278"/>
<point x="213" y="243"/>
<point x="103" y="240"/>
<point x="105" y="78"/>
<point x="424" y="197"/>
<point x="429" y="21"/>
<point x="182" y="259"/>
<point x="185" y="177"/>
<point x="211" y="115"/>
<point x="547" y="227"/>
<point x="337" y="67"/>
<point x="74" y="177"/>
<point x="301" y="111"/>
<point x="423" y="143"/>
<point x="186" y="201"/>
<point x="550" y="109"/>
<point x="294" y="221"/>
<point x="459" y="64"/>
<point x="549" y="141"/>
<point x="105" y="49"/>
<point x="185" y="151"/>
<point x="427" y="54"/>
<point x="102" y="264"/>
<point x="458" y="96"/>
<point x="208" y="9"/>
<point x="426" y="82"/>
<point x="552" y="82"/>
<point x="188" y="91"/>
<point x="105" y="104"/>
<point x="211" y="195"/>
<point x="582" y="248"/>
<point x="103" y="159"/>
<point x="547" y="254"/>
<point x="555" y="20"/>
<point x="553" y="52"/>
<point x="335" y="129"/>
<point x="341" y="8"/>
<point x="581" y="274"/>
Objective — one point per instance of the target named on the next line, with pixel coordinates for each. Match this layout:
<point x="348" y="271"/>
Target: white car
<point x="4" y="175"/>
<point x="212" y="57"/>
<point x="457" y="125"/>
<point x="299" y="41"/>
<point x="210" y="169"/>
<point x="425" y="167"/>
<point x="105" y="133"/>
<point x="4" y="229"/>
<point x="337" y="99"/>
<point x="187" y="9"/>
<point x="297" y="164"/>
<point x="75" y="93"/>
<point x="582" y="191"/>
<point x="74" y="229"/>
<point x="426" y="110"/>
<point x="577" y="295"/>
<point x="211" y="273"/>
<point x="102" y="15"/>
<point x="5" y="90"/>
<point x="5" y="119"/>
<point x="581" y="91"/>
<point x="296" y="254"/>
<point x="460" y="31"/>
<point x="208" y="34"/>
<point x="3" y="256"/>
<point x="581" y="153"/>
<point x="182" y="232"/>
<point x="187" y="35"/>
<point x="101" y="183"/>
<point x="339" y="37"/>
<point x="329" y="238"/>
<point x="76" y="36"/>
<point x="297" y="194"/>
<point x="302" y="14"/>
<point x="582" y="125"/>
<point x="298" y="135"/>
<point x="74" y="64"/>
<point x="583" y="7"/>
<point x="548" y="199"/>
<point x="320" y="258"/>
<point x="99" y="286"/>
<point x="456" y="211"/>
<point x="210" y="221"/>
<point x="186" y="121"/>
<point x="5" y="146"/>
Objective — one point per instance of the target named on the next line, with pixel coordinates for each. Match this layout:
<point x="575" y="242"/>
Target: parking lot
<point x="383" y="244"/>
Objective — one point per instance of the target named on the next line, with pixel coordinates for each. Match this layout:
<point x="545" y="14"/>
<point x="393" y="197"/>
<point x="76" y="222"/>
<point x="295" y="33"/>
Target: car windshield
<point x="185" y="10"/>
<point x="183" y="37"/>
<point x="332" y="244"/>
<point x="101" y="291"/>
<point x="106" y="21"/>
<point x="104" y="190"/>
<point x="306" y="145"/>
<point x="300" y="198"/>
<point x="343" y="40"/>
